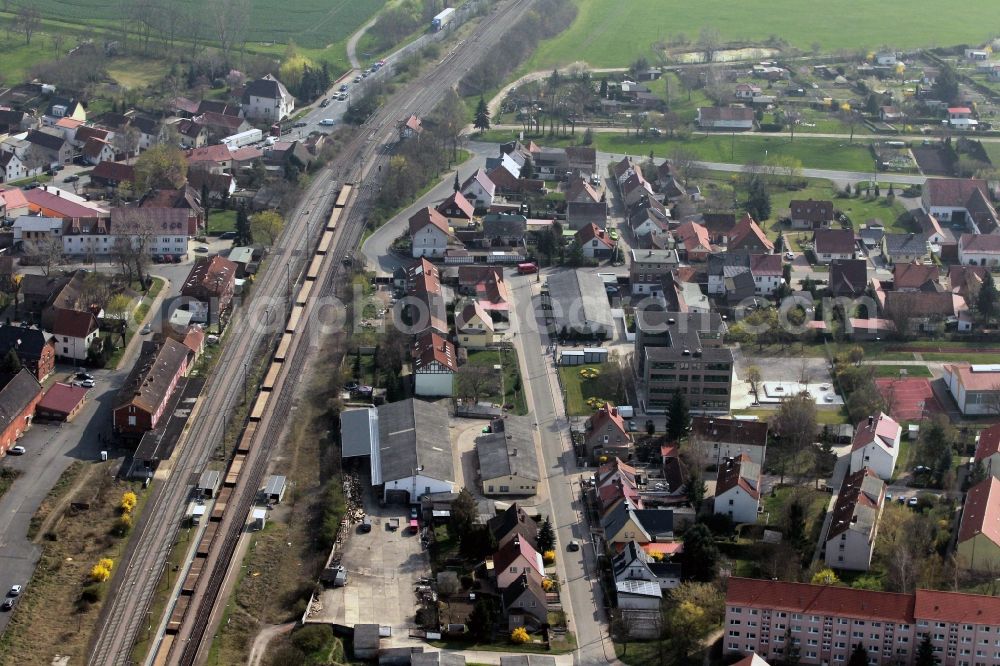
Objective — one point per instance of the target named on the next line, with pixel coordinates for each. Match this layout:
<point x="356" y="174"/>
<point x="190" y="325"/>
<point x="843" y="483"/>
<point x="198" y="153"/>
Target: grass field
<point x="579" y="389"/>
<point x="893" y="370"/>
<point x="220" y="221"/>
<point x="512" y="387"/>
<point x="857" y="208"/>
<point x="607" y="34"/>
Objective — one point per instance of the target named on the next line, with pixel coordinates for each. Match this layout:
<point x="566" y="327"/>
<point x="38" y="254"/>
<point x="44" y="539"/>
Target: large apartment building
<point x="827" y="622"/>
<point x="684" y="352"/>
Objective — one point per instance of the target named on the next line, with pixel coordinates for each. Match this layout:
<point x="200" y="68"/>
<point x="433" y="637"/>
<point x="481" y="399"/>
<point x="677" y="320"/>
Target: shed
<point x="274" y="489"/>
<point x="194" y="512"/>
<point x="366" y="641"/>
<point x="61" y="402"/>
<point x="595" y="355"/>
<point x="572" y="357"/>
<point x="258" y="518"/>
<point x="208" y="484"/>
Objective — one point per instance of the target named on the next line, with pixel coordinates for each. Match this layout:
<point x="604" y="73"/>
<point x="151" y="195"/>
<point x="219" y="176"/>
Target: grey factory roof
<point x="359" y="432"/>
<point x="509" y="450"/>
<point x="579" y="301"/>
<point x="413" y="434"/>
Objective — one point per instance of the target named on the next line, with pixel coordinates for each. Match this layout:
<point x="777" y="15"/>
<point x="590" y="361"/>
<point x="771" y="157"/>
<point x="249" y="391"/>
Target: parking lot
<point x="383" y="567"/>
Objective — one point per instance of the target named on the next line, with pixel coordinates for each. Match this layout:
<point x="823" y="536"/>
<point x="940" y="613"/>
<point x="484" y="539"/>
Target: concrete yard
<point x="382" y="569"/>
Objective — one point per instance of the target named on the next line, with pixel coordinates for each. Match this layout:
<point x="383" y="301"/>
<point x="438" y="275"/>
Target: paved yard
<point x="383" y="567"/>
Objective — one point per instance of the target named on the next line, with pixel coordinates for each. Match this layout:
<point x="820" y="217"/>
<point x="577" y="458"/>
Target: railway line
<point x="336" y="217"/>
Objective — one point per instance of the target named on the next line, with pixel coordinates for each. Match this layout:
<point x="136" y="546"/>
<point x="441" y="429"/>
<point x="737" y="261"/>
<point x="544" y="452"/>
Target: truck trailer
<point x="247" y="138"/>
<point x="442" y="19"/>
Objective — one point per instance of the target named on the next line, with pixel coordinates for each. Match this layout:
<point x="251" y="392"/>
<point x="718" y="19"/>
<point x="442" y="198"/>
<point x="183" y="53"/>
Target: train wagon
<point x="303" y="296"/>
<point x="331" y="224"/>
<point x="325" y="243"/>
<point x="246" y="439"/>
<point x="345" y="194"/>
<point x="293" y="320"/>
<point x="283" y="346"/>
<point x="259" y="405"/>
<point x="271" y="378"/>
<point x="190" y="581"/>
<point x="219" y="508"/>
<point x="163" y="651"/>
<point x="177" y="615"/>
<point x="233" y="475"/>
<point x="205" y="545"/>
<point x="314" y="267"/>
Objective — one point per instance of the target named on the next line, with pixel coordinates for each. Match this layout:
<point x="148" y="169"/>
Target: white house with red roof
<point x="876" y="445"/>
<point x="850" y="540"/>
<point x="978" y="544"/>
<point x="517" y="558"/>
<point x="457" y="208"/>
<point x="960" y="117"/>
<point x="975" y="388"/>
<point x="605" y="434"/>
<point x="889" y="626"/>
<point x="430" y="233"/>
<point x="737" y="489"/>
<point x="979" y="250"/>
<point x="479" y="189"/>
<point x="988" y="449"/>
<point x="595" y="242"/>
<point x="74" y="332"/>
<point x="948" y="199"/>
<point x="434" y="365"/>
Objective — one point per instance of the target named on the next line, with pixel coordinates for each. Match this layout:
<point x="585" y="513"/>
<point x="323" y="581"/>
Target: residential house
<point x="749" y="237"/>
<point x="638" y="595"/>
<point x="888" y="626"/>
<point x="164" y="231"/>
<point x="412" y="451"/>
<point x="191" y="134"/>
<point x="625" y="523"/>
<point x="633" y="563"/>
<point x="649" y="217"/>
<point x="606" y="435"/>
<point x="505" y="230"/>
<point x="74" y="333"/>
<point x="923" y="311"/>
<point x="722" y="438"/>
<point x="728" y="118"/>
<point x="767" y="272"/>
<point x="647" y="269"/>
<point x="728" y="275"/>
<point x="635" y="188"/>
<point x="13" y="168"/>
<point x="479" y="189"/>
<point x="144" y="396"/>
<point x="830" y="244"/>
<point x="615" y="482"/>
<point x="848" y="277"/>
<point x="747" y="91"/>
<point x="581" y="160"/>
<point x="975" y="388"/>
<point x="216" y="158"/>
<point x="965" y="281"/>
<point x="19" y="395"/>
<point x="675" y="474"/>
<point x="979" y="250"/>
<point x="474" y="327"/>
<point x="54" y="202"/>
<point x="523" y="598"/>
<point x="210" y="285"/>
<point x="219" y="187"/>
<point x="988" y="450"/>
<point x="576" y="305"/>
<point x="579" y="214"/>
<point x="34" y="347"/>
<point x="961" y="118"/>
<point x="430" y="233"/>
<point x="916" y="277"/>
<point x="514" y="559"/>
<point x="693" y="242"/>
<point x="508" y="462"/>
<point x="876" y="445"/>
<point x="890" y="113"/>
<point x="978" y="543"/>
<point x="267" y="100"/>
<point x="667" y="342"/>
<point x="550" y="163"/>
<point x="96" y="151"/>
<point x="850" y="540"/>
<point x="112" y="174"/>
<point x="32" y="232"/>
<point x="580" y="191"/>
<point x="50" y="147"/>
<point x="457" y="209"/>
<point x="434" y="365"/>
<point x="513" y="522"/>
<point x="810" y="214"/>
<point x="952" y="200"/>
<point x="595" y="242"/>
<point x="738" y="488"/>
<point x="63" y="107"/>
<point x="905" y="248"/>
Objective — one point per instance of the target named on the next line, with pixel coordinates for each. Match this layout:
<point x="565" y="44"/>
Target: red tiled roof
<point x="591" y="232"/>
<point x="989" y="442"/>
<point x="980" y="243"/>
<point x="766" y="264"/>
<point x="213" y="276"/>
<point x="952" y="192"/>
<point x="115" y="171"/>
<point x="62" y="398"/>
<point x="458" y="200"/>
<point x="981" y="513"/>
<point x="820" y="599"/>
<point x="711" y="429"/>
<point x="974" y="381"/>
<point x="914" y="276"/>
<point x="59" y="205"/>
<point x="431" y="347"/>
<point x="810" y="210"/>
<point x="512" y="550"/>
<point x="217" y="153"/>
<point x="734" y="472"/>
<point x="956" y="607"/>
<point x="74" y="323"/>
<point x="834" y="241"/>
<point x="746" y="228"/>
<point x="852" y="496"/>
<point x="14" y="198"/>
<point x="694" y="237"/>
<point x="426" y="216"/>
<point x="883" y="431"/>
<point x="605" y="416"/>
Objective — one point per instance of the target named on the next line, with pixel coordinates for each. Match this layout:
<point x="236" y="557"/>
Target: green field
<point x="893" y="371"/>
<point x="608" y="34"/>
<point x="857" y="208"/>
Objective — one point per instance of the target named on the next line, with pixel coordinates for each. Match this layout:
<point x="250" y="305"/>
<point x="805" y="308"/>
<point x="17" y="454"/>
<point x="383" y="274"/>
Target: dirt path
<point x="60" y="506"/>
<point x="264" y="638"/>
<point x="352" y="43"/>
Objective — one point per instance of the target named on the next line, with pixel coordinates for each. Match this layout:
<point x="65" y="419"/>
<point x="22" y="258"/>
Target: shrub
<point x="122" y="525"/>
<point x="100" y="574"/>
<point x="549" y="585"/>
<point x="92" y="594"/>
<point x="519" y="636"/>
<point x="128" y="502"/>
<point x="107" y="563"/>
<point x="549" y="556"/>
<point x="313" y="638"/>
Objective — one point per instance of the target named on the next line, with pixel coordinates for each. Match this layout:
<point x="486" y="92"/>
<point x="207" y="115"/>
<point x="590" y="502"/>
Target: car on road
<point x="364" y="74"/>
<point x="342" y="97"/>
<point x="325" y="103"/>
<point x="326" y="122"/>
<point x="632" y="427"/>
<point x="228" y="235"/>
<point x="573" y="545"/>
<point x="71" y="179"/>
<point x="343" y="87"/>
<point x="146" y="330"/>
<point x="84" y="375"/>
<point x="15" y="590"/>
<point x="300" y="123"/>
<point x="8" y="604"/>
<point x="86" y="383"/>
<point x="613" y="234"/>
<point x="912" y="502"/>
<point x="17" y="450"/>
<point x="357" y="78"/>
<point x="829" y="397"/>
<point x="790" y="256"/>
<point x="201" y="248"/>
<point x="413" y="513"/>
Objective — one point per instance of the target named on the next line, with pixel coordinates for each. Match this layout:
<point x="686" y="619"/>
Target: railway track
<point x="144" y="561"/>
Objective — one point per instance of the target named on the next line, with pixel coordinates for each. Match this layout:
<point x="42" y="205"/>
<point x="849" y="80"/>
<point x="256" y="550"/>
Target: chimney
<point x="513" y="453"/>
<point x="871" y="421"/>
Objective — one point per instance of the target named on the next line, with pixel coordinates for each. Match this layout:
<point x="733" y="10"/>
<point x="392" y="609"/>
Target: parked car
<point x="71" y="179"/>
<point x="573" y="546"/>
<point x="17" y="450"/>
<point x="300" y="123"/>
<point x="8" y="604"/>
<point x="201" y="249"/>
<point x="343" y="87"/>
<point x="325" y="103"/>
<point x="632" y="427"/>
<point x="366" y="524"/>
<point x="146" y="330"/>
<point x="326" y="122"/>
<point x="81" y="375"/>
<point x="790" y="256"/>
<point x="228" y="235"/>
<point x="15" y="590"/>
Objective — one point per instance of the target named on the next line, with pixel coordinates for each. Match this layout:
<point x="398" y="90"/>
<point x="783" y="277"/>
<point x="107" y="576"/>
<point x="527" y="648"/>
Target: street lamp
<point x="416" y="470"/>
<point x="288" y="279"/>
<point x="245" y="364"/>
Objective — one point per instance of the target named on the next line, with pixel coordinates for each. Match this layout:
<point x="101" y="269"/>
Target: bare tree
<point x="754" y="379"/>
<point x="58" y="39"/>
<point x="230" y="19"/>
<point x="472" y="380"/>
<point x="708" y="42"/>
<point x="28" y="19"/>
<point x="685" y="164"/>
<point x="134" y="238"/>
<point x="47" y="252"/>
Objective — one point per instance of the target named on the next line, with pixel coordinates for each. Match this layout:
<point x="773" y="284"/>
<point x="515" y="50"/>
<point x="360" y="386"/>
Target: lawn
<point x="776" y="504"/>
<point x="893" y="370"/>
<point x="606" y="36"/>
<point x="578" y="388"/>
<point x="816" y="153"/>
<point x="513" y="391"/>
<point x="137" y="72"/>
<point x="221" y="221"/>
<point x="858" y="209"/>
<point x="824" y="415"/>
